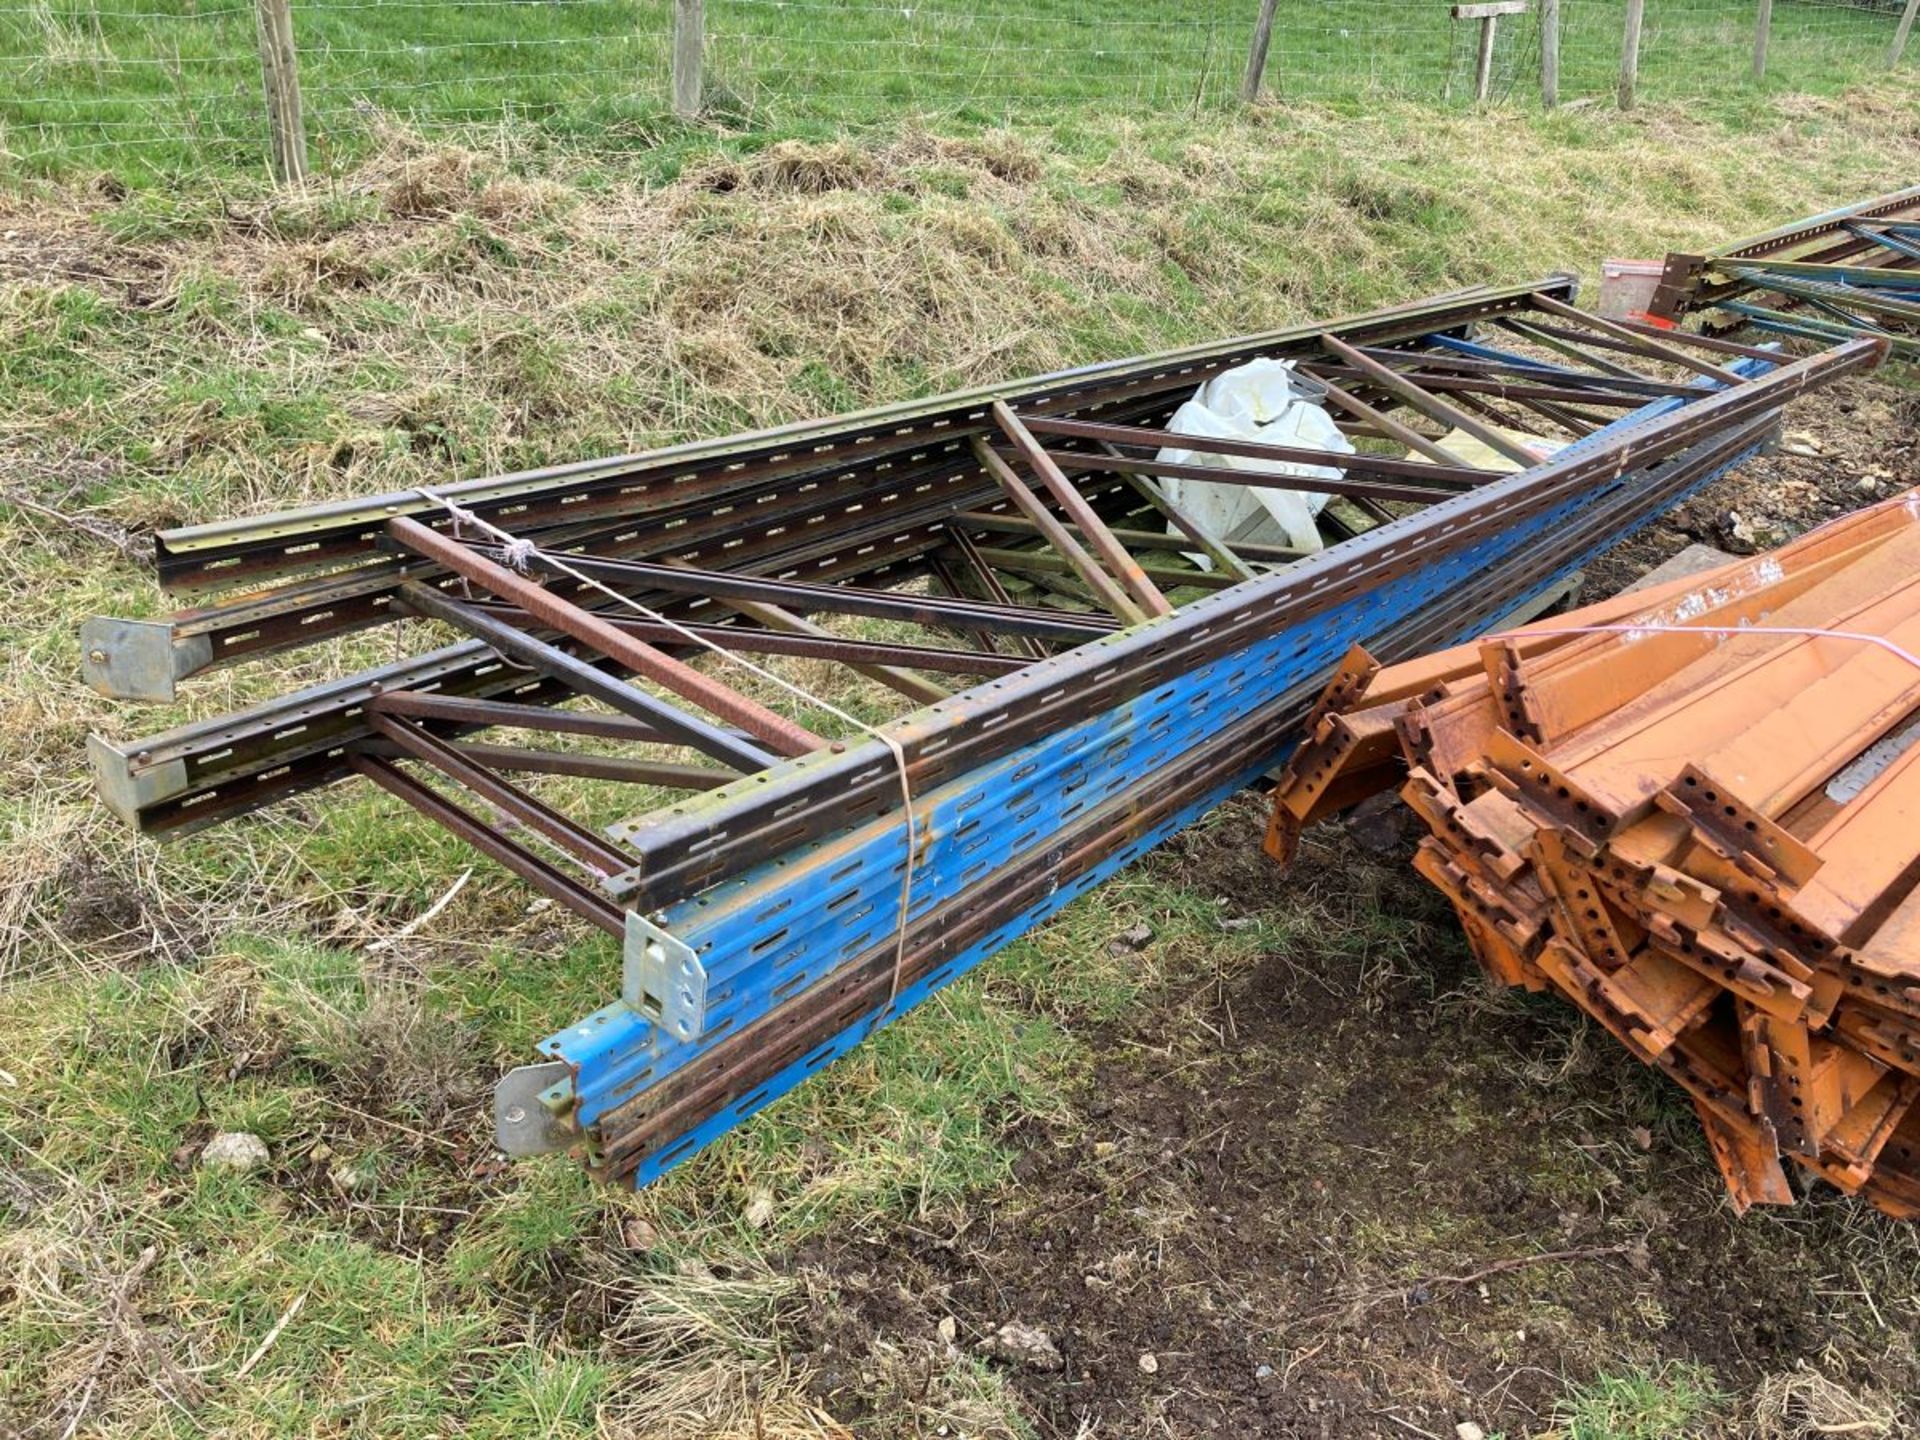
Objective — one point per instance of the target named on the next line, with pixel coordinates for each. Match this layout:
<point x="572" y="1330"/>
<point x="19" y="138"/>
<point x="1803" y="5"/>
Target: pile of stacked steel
<point x="1853" y="271"/>
<point x="1694" y="812"/>
<point x="1084" y="643"/>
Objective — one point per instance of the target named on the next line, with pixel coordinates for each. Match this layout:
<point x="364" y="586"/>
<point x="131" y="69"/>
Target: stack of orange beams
<point x="1694" y="812"/>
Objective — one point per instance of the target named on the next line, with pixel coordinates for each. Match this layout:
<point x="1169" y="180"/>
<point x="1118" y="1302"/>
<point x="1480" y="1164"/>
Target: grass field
<point x="193" y="348"/>
<point x="135" y="86"/>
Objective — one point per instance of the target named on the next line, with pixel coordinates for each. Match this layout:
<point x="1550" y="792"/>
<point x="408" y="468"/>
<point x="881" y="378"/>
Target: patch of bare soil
<point x="1336" y="1196"/>
<point x="1842" y="448"/>
<point x="1351" y="1193"/>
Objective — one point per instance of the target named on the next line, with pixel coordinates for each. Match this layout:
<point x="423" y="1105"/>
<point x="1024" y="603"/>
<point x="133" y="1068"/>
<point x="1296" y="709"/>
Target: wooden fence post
<point x="1905" y="31"/>
<point x="1488" y="13"/>
<point x="1549" y="53"/>
<point x="1762" y="38"/>
<point x="1257" y="52"/>
<point x="1630" y="52"/>
<point x="689" y="47"/>
<point x="1483" y="60"/>
<point x="280" y="79"/>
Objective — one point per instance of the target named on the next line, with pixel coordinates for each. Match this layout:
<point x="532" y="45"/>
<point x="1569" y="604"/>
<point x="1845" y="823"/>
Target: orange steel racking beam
<point x="1694" y="813"/>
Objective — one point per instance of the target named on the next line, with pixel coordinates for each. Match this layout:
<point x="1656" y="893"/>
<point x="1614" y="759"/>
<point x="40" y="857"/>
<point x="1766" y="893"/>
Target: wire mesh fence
<point x="180" y="83"/>
<point x="823" y="56"/>
<point x="173" y="84"/>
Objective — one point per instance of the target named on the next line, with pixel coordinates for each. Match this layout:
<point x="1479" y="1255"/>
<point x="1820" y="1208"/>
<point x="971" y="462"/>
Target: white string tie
<point x="520" y="554"/>
<point x="1803" y="631"/>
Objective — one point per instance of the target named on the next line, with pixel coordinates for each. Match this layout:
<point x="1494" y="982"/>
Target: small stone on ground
<point x="1023" y="1345"/>
<point x="235" y="1150"/>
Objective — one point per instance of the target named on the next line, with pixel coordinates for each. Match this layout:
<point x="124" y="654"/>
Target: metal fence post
<point x="1905" y="31"/>
<point x="1549" y="53"/>
<point x="1257" y="52"/>
<point x="1630" y="52"/>
<point x="689" y="46"/>
<point x="1762" y="37"/>
<point x="280" y="79"/>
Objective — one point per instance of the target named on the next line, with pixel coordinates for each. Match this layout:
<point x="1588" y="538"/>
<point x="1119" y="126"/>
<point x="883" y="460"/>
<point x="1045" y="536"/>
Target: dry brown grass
<point x="711" y="1347"/>
<point x="1804" y="1404"/>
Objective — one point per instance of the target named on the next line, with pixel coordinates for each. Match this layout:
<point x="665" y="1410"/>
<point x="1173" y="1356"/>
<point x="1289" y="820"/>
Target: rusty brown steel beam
<point x="1372" y="509"/>
<point x="1445" y="367"/>
<point x="1532" y="385"/>
<point x="594" y="630"/>
<point x="1150" y="541"/>
<point x="1112" y="553"/>
<point x="584" y="678"/>
<point x="1659" y="348"/>
<point x="624" y="769"/>
<point x="751" y="639"/>
<point x="1045" y="562"/>
<point x="1574" y="348"/>
<point x="1494" y="413"/>
<point x="1571" y="420"/>
<point x="1216" y="549"/>
<point x="969" y="555"/>
<point x="1451" y="475"/>
<point x="1387" y="425"/>
<point x="730" y="586"/>
<point x="1106" y="589"/>
<point x="953" y="585"/>
<point x="1712" y="344"/>
<point x="1222" y="475"/>
<point x="589" y="905"/>
<point x="894" y="676"/>
<point x="1429" y="404"/>
<point x="467" y="712"/>
<point x="517" y="805"/>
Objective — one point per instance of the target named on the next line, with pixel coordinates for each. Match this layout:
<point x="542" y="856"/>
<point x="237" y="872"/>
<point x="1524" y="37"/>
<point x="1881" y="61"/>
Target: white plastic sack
<point x="1262" y="401"/>
<point x="1260" y="391"/>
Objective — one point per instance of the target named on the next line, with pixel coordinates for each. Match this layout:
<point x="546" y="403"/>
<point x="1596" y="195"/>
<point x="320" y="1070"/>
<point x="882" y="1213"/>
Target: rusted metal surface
<point x="1448" y="474"/>
<point x="1850" y="271"/>
<point x="1074" y="506"/>
<point x="598" y="633"/>
<point x="586" y="678"/>
<point x="803" y="1033"/>
<point x="769" y="905"/>
<point x="1631" y="806"/>
<point x="811" y="643"/>
<point x="1061" y="539"/>
<point x="681" y="851"/>
<point x="581" y="899"/>
<point x="850" y="448"/>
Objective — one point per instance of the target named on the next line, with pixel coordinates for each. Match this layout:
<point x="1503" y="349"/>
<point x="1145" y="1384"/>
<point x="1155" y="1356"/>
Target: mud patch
<point x="114" y="915"/>
<point x="1324" y="1197"/>
<point x="1842" y="448"/>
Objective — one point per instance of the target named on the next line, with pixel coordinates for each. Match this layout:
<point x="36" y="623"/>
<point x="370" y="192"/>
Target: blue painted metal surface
<point x="1901" y="239"/>
<point x="1803" y="324"/>
<point x="780" y="929"/>
<point x="1822" y="314"/>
